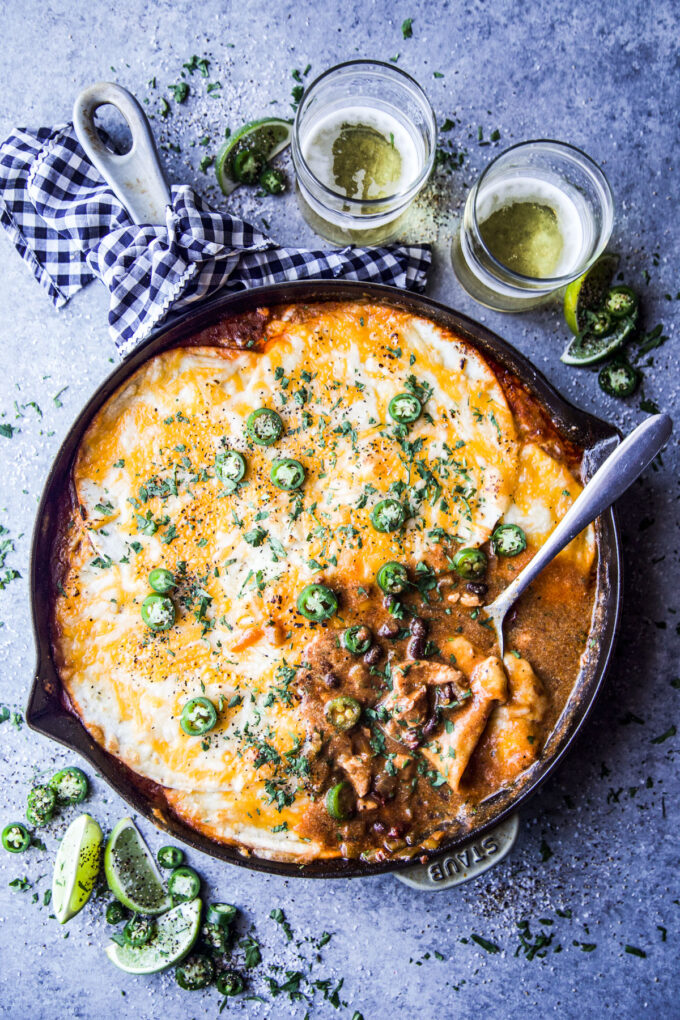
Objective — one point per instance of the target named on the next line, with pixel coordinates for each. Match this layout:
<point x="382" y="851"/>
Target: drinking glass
<point x="553" y="175"/>
<point x="383" y="92"/>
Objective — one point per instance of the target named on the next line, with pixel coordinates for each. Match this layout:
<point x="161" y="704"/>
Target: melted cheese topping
<point x="150" y="495"/>
<point x="544" y="492"/>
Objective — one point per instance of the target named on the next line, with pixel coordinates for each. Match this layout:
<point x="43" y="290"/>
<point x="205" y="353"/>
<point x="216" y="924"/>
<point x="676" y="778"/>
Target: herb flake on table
<point x="489" y="947"/>
<point x="635" y="951"/>
<point x="670" y="732"/>
<point x="180" y="91"/>
<point x="278" y="915"/>
<point x="252" y="950"/>
<point x="197" y="64"/>
<point x="7" y="574"/>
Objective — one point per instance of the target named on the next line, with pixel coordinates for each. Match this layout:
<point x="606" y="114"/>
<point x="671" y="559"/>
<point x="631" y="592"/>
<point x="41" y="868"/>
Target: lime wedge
<point x="76" y="867"/>
<point x="587" y="292"/>
<point x="586" y="349"/>
<point x="175" y="934"/>
<point x="267" y="137"/>
<point x="131" y="871"/>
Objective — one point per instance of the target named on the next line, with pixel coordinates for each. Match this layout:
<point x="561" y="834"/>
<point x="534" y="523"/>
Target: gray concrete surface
<point x="597" y="861"/>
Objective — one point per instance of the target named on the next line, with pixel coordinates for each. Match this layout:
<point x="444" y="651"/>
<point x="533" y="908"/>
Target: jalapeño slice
<point x="138" y="931"/>
<point x="600" y="323"/>
<point x="618" y="379"/>
<point x="214" y="938"/>
<point x="621" y="302"/>
<point x="158" y="612"/>
<point x="508" y="540"/>
<point x="272" y="181"/>
<point x="161" y="580"/>
<point x="230" y="982"/>
<point x="247" y="165"/>
<point x="230" y="466"/>
<point x="41" y="803"/>
<point x="221" y="913"/>
<point x="70" y="785"/>
<point x="357" y="639"/>
<point x="388" y="515"/>
<point x="343" y="712"/>
<point x="264" y="426"/>
<point x="287" y="474"/>
<point x="116" y="912"/>
<point x="392" y="578"/>
<point x="184" y="884"/>
<point x="195" y="972"/>
<point x="198" y="716"/>
<point x="470" y="564"/>
<point x="340" y="801"/>
<point x="405" y="408"/>
<point x="317" y="602"/>
<point x="170" y="856"/>
<point x="16" y="838"/>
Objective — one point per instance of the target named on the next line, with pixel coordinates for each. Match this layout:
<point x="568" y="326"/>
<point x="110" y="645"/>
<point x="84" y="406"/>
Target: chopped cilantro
<point x="179" y="91"/>
<point x="490" y="947"/>
<point x="670" y="732"/>
<point x="635" y="951"/>
<point x="252" y="951"/>
<point x="280" y="918"/>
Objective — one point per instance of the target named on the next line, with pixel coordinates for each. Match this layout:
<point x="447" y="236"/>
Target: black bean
<point x="416" y="648"/>
<point x="418" y="626"/>
<point x="390" y="601"/>
<point x="372" y="656"/>
<point x="477" y="588"/>
<point x="411" y="738"/>
<point x="430" y="726"/>
<point x="331" y="680"/>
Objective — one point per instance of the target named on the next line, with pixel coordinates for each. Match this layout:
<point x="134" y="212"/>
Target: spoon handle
<point x="610" y="481"/>
<point x="137" y="177"/>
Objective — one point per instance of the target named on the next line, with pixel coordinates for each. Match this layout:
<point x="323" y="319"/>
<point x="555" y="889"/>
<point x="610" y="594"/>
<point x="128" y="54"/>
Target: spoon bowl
<point x="616" y="474"/>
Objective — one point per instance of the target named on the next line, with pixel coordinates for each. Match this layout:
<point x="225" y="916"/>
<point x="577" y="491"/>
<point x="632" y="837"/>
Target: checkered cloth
<point x="69" y="227"/>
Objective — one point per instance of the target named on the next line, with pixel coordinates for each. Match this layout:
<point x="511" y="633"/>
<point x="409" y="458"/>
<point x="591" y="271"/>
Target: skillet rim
<point x="46" y="712"/>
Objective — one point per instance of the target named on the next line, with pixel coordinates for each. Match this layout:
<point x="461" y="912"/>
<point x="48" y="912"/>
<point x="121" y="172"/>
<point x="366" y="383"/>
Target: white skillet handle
<point x="465" y="862"/>
<point x="137" y="178"/>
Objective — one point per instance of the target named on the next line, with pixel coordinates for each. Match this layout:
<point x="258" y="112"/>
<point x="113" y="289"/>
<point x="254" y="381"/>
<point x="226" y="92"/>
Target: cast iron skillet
<point x="47" y="711"/>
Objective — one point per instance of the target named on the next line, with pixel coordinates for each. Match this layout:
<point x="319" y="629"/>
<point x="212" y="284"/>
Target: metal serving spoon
<point x="610" y="481"/>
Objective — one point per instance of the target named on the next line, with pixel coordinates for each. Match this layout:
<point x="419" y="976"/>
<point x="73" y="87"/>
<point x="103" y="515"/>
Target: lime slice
<point x="76" y="867"/>
<point x="131" y="871"/>
<point x="175" y="934"/>
<point x="586" y="349"/>
<point x="587" y="292"/>
<point x="267" y="137"/>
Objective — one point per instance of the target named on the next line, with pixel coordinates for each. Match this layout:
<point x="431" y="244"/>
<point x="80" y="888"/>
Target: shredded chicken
<point x="358" y="770"/>
<point x="450" y="752"/>
<point x="408" y="705"/>
<point x="515" y="727"/>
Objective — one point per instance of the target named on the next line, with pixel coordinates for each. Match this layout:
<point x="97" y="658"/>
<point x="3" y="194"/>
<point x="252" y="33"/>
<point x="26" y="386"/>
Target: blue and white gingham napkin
<point x="69" y="227"/>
